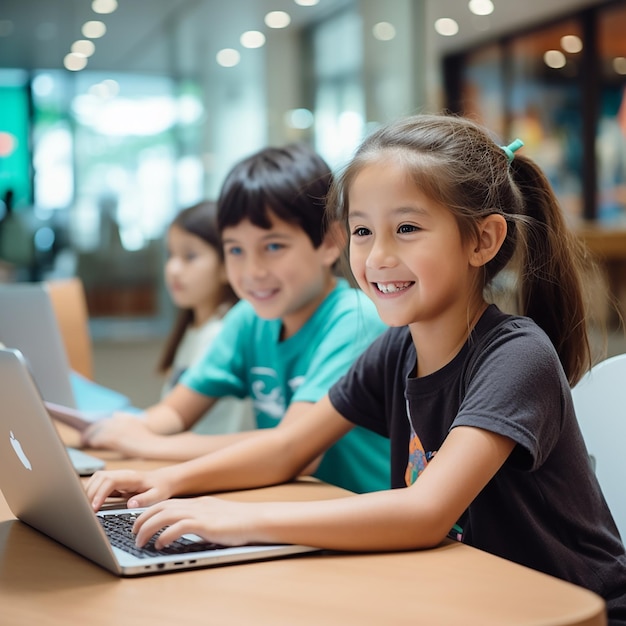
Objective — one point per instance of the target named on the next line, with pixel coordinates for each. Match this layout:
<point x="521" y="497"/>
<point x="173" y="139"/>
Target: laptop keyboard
<point x="119" y="527"/>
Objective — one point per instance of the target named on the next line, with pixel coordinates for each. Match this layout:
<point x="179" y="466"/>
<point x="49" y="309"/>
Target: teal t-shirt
<point x="248" y="359"/>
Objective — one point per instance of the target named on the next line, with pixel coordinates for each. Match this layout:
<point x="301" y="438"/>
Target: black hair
<point x="292" y="182"/>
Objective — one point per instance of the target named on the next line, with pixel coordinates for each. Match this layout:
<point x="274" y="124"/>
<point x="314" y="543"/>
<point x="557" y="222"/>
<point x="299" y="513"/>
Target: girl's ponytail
<point x="552" y="265"/>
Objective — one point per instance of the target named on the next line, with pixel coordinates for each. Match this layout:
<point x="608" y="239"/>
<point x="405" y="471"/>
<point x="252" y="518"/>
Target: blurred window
<point x="611" y="131"/>
<point x="103" y="140"/>
<point x="546" y="106"/>
<point x="339" y="105"/>
<point x="530" y="86"/>
<point x="14" y="131"/>
<point x="482" y="88"/>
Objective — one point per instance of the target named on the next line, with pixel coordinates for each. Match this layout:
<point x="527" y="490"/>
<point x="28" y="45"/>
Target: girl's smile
<point x="406" y="250"/>
<point x="393" y="288"/>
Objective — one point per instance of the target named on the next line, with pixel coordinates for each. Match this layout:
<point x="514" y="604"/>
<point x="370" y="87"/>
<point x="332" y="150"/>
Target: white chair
<point x="600" y="403"/>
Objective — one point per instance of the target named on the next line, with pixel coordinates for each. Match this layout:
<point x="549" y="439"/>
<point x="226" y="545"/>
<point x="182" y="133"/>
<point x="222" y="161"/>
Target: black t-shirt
<point x="543" y="508"/>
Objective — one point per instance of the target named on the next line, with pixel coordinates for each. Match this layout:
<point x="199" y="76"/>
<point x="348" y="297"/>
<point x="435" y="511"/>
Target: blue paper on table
<point x="93" y="402"/>
<point x="94" y="398"/>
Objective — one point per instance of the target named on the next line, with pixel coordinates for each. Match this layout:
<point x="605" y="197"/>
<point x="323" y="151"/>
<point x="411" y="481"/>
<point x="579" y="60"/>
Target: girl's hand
<point x="143" y="488"/>
<point x="215" y="520"/>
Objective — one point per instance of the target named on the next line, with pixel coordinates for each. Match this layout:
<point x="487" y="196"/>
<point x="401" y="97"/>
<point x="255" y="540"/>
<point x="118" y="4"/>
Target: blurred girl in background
<point x="196" y="281"/>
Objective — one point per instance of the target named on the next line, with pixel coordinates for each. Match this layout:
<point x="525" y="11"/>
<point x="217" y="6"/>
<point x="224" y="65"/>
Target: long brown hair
<point x="198" y="220"/>
<point x="457" y="163"/>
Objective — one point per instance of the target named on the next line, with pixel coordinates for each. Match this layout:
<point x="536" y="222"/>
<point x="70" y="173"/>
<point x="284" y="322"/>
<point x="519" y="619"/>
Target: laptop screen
<point x="28" y="324"/>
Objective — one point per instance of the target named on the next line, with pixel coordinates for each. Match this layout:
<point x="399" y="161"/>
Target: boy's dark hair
<point x="292" y="182"/>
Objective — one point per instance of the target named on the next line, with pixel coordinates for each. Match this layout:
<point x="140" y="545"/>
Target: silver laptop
<point x="42" y="489"/>
<point x="28" y="324"/>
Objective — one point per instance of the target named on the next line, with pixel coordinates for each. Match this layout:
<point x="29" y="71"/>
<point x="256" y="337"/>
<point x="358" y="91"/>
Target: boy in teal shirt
<point x="297" y="329"/>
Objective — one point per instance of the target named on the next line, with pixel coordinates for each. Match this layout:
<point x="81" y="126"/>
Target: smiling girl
<point x="485" y="446"/>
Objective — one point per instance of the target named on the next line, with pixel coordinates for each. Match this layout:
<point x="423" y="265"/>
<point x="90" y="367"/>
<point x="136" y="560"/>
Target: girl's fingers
<point x="147" y="498"/>
<point x="105" y="484"/>
<point x="150" y="522"/>
<point x="174" y="518"/>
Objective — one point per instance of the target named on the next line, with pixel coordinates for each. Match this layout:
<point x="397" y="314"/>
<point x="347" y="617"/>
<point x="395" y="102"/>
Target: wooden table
<point x="43" y="583"/>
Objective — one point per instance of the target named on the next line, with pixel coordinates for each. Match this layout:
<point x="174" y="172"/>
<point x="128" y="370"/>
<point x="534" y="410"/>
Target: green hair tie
<point x="512" y="148"/>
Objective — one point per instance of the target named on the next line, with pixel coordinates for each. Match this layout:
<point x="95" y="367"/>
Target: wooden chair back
<point x="70" y="306"/>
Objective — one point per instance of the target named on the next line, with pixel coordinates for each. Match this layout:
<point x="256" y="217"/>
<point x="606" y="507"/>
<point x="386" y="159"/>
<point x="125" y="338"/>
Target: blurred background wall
<point x="115" y="114"/>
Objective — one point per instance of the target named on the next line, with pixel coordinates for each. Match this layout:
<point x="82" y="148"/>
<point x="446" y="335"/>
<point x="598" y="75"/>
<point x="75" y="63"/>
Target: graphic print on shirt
<point x="267" y="394"/>
<point x="416" y="464"/>
<point x="417" y="458"/>
<point x="295" y="382"/>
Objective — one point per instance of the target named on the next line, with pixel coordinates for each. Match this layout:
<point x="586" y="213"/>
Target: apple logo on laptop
<point x="21" y="455"/>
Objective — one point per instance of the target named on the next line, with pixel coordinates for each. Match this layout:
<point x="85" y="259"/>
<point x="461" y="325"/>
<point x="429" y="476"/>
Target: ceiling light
<point x="277" y="19"/>
<point x="571" y="43"/>
<point x="190" y="109"/>
<point x="104" y="6"/>
<point x="300" y="119"/>
<point x="619" y="65"/>
<point x="43" y="85"/>
<point x="112" y="86"/>
<point x="252" y="39"/>
<point x="74" y="62"/>
<point x="384" y="31"/>
<point x="306" y="3"/>
<point x="446" y="26"/>
<point x="94" y="29"/>
<point x="554" y="59"/>
<point x="228" y="57"/>
<point x="106" y="90"/>
<point x="481" y="7"/>
<point x="84" y="47"/>
<point x="99" y="90"/>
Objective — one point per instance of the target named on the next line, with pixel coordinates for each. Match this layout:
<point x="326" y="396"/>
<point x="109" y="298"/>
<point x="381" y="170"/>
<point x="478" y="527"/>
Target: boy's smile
<point x="278" y="270"/>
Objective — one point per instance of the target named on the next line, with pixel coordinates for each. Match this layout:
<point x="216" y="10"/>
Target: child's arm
<point x="417" y="517"/>
<point x="180" y="409"/>
<point x="134" y="438"/>
<point x="130" y="436"/>
<point x="188" y="445"/>
<point x="135" y="434"/>
<point x="267" y="456"/>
